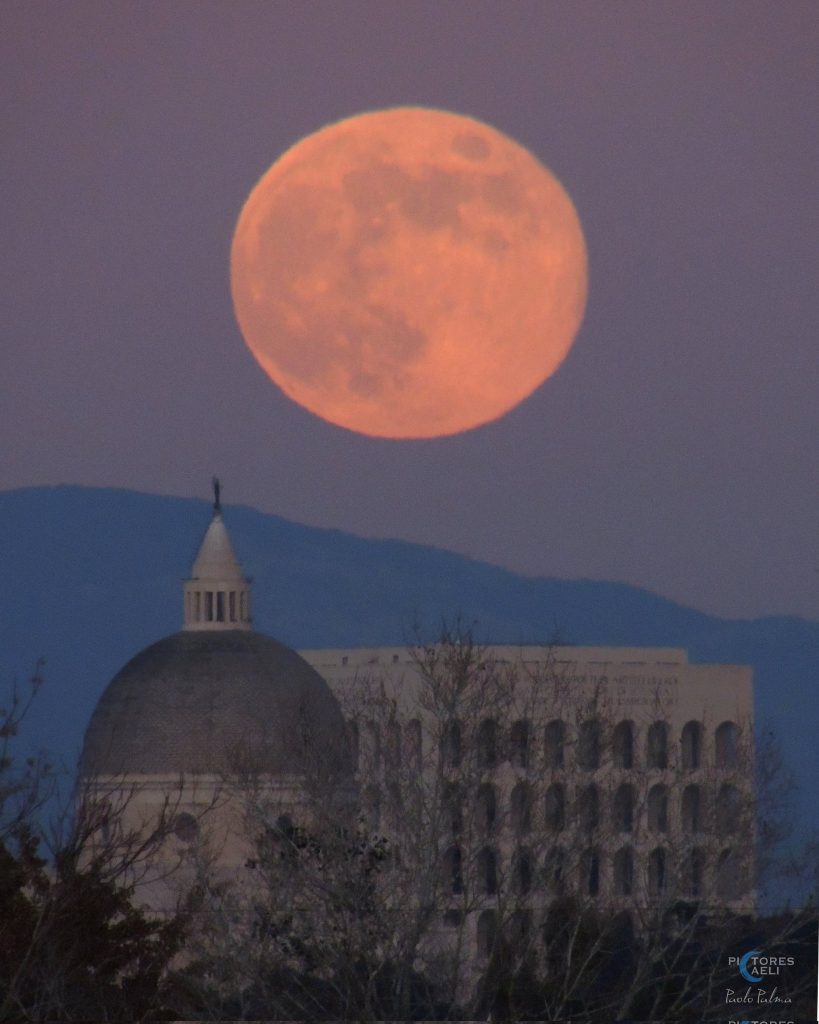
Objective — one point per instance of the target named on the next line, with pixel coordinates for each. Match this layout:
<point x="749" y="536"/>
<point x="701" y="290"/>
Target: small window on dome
<point x="186" y="828"/>
<point x="285" y="827"/>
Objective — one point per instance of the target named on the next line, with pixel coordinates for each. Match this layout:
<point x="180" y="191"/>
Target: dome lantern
<point x="217" y="595"/>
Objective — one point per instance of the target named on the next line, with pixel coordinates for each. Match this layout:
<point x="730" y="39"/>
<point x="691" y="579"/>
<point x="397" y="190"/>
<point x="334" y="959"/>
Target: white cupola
<point x="217" y="595"/>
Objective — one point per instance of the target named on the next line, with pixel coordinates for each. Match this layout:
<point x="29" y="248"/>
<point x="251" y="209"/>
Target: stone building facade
<point x="617" y="777"/>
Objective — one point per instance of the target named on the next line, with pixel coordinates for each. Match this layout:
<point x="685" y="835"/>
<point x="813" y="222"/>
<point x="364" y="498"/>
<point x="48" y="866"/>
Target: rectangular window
<point x="197" y="606"/>
<point x="209" y="606"/>
<point x="232" y="605"/>
<point x="220" y="606"/>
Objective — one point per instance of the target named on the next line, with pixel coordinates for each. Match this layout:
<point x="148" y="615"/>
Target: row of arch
<point x="627" y="809"/>
<point x="661" y="877"/>
<point x="590" y="745"/>
<point x="404" y="745"/>
<point x="554" y="930"/>
<point x="587" y="811"/>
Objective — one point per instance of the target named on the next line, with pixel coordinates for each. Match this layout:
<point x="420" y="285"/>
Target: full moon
<point x="408" y="273"/>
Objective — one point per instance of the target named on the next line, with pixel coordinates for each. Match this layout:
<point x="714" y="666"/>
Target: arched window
<point x="453" y="871"/>
<point x="624" y="808"/>
<point x="554" y="739"/>
<point x="487" y="933"/>
<point x="657" y="746"/>
<point x="488" y="743"/>
<point x="692" y="809"/>
<point x="657" y="872"/>
<point x="557" y="931"/>
<point x="693" y="874"/>
<point x="396" y="805"/>
<point x="104" y="815"/>
<point x="486" y="808"/>
<point x="729" y="810"/>
<point x="624" y="871"/>
<point x="453" y="808"/>
<point x="588" y="745"/>
<point x="555" y="807"/>
<point x="728" y="876"/>
<point x="589" y="809"/>
<point x="186" y="828"/>
<point x="590" y="871"/>
<point x="522" y="871"/>
<point x="352" y="739"/>
<point x="521" y="806"/>
<point x="520" y="929"/>
<point x="622" y="931"/>
<point x="283" y="835"/>
<point x="691" y="746"/>
<point x="554" y="870"/>
<point x="393" y="744"/>
<point x="519" y="744"/>
<point x="727" y="742"/>
<point x="623" y="745"/>
<point x="451" y="749"/>
<point x="488" y="871"/>
<point x="412" y="743"/>
<point x="284" y="826"/>
<point x="372" y="738"/>
<point x="371" y="806"/>
<point x="658" y="809"/>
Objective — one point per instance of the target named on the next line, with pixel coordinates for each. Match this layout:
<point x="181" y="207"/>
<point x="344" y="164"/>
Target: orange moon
<point x="408" y="273"/>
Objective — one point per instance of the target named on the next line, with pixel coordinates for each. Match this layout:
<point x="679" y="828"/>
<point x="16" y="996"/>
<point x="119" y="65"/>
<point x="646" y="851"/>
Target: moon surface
<point x="408" y="273"/>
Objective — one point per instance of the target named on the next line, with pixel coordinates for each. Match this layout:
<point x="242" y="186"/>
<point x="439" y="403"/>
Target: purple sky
<point x="675" y="449"/>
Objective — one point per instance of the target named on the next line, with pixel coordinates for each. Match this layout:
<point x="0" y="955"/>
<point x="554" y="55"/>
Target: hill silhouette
<point x="92" y="575"/>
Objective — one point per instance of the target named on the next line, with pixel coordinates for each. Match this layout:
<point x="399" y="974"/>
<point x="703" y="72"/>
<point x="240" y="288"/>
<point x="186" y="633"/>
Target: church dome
<point x="216" y="697"/>
<point x="216" y="701"/>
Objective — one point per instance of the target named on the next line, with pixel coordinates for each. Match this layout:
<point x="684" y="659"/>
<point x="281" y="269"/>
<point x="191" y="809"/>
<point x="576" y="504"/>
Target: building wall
<point x="647" y="799"/>
<point x="674" y="818"/>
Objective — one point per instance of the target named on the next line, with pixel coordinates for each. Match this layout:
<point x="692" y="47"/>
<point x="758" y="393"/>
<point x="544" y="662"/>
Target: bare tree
<point x="73" y="945"/>
<point x="512" y="854"/>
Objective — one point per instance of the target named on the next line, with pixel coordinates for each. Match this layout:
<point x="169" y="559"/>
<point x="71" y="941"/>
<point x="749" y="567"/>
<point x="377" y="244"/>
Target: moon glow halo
<point x="408" y="273"/>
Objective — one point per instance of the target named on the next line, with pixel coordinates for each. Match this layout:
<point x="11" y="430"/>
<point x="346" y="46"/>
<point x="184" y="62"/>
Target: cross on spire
<point x="217" y="595"/>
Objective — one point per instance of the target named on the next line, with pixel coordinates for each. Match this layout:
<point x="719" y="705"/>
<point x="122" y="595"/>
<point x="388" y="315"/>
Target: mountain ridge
<point x="94" y="574"/>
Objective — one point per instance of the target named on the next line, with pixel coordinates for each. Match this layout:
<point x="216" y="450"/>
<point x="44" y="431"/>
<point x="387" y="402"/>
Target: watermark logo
<point x="755" y="967"/>
<point x="743" y="967"/>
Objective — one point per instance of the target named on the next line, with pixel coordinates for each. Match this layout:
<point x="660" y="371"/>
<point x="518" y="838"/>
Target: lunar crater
<point x="430" y="198"/>
<point x="473" y="147"/>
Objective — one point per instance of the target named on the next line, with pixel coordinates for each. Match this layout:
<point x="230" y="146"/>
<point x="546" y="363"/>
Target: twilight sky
<point x="677" y="446"/>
